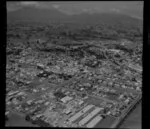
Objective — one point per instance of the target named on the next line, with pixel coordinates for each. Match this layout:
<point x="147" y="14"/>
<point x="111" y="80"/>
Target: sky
<point x="133" y="8"/>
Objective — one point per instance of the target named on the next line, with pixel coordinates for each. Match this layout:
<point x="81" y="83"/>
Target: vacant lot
<point x="133" y="121"/>
<point x="94" y="101"/>
<point x="18" y="121"/>
<point x="105" y="123"/>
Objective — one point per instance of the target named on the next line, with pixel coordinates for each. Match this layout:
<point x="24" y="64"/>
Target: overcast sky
<point x="134" y="8"/>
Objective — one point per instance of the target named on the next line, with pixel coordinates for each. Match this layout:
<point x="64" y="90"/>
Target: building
<point x="81" y="102"/>
<point x="66" y="98"/>
<point x="29" y="102"/>
<point x="47" y="103"/>
<point x="80" y="113"/>
<point x="68" y="111"/>
<point x="94" y="121"/>
<point x="12" y="92"/>
<point x="135" y="67"/>
<point x="89" y="116"/>
<point x="21" y="93"/>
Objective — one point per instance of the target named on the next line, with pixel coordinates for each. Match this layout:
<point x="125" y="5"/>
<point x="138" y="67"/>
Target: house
<point x="46" y="103"/>
<point x="81" y="102"/>
<point x="66" y="99"/>
<point x="34" y="90"/>
<point x="29" y="101"/>
<point x="68" y="111"/>
<point x="13" y="92"/>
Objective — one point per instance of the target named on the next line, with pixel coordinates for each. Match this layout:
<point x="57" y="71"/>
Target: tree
<point x="27" y="117"/>
<point x="6" y="118"/>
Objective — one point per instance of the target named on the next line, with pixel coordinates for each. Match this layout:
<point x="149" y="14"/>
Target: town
<point x="74" y="64"/>
<point x="77" y="86"/>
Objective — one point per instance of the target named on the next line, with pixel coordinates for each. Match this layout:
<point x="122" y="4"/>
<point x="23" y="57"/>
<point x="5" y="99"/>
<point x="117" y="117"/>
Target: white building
<point x="94" y="121"/>
<point x="89" y="116"/>
<point x="66" y="99"/>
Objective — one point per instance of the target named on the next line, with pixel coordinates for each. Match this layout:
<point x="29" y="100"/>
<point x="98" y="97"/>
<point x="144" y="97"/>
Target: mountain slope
<point x="47" y="15"/>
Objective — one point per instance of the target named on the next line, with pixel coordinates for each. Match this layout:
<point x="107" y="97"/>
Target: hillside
<point x="48" y="15"/>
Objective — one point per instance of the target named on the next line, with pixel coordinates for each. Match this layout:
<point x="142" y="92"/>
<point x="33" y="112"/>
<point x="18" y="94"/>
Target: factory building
<point x="89" y="116"/>
<point x="80" y="113"/>
<point x="94" y="121"/>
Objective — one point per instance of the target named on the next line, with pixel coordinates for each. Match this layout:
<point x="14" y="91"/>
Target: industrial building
<point x="80" y="113"/>
<point x="94" y="121"/>
<point x="89" y="116"/>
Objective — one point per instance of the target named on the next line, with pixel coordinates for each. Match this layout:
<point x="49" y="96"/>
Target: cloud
<point x="134" y="16"/>
<point x="29" y="3"/>
<point x="92" y="10"/>
<point x="115" y="10"/>
<point x="124" y="7"/>
<point x="85" y="10"/>
<point x="56" y="6"/>
<point x="70" y="8"/>
<point x="12" y="7"/>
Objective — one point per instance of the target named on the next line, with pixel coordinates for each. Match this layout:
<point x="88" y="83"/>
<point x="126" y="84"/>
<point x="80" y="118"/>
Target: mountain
<point x="33" y="14"/>
<point x="47" y="15"/>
